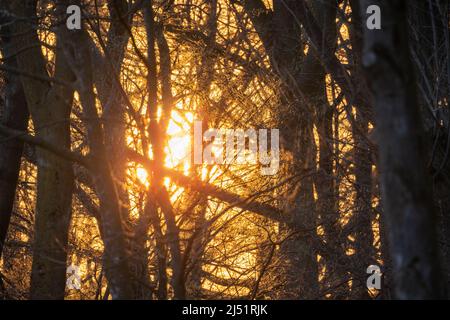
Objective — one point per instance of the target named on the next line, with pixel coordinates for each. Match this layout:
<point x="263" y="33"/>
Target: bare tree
<point x="49" y="105"/>
<point x="407" y="199"/>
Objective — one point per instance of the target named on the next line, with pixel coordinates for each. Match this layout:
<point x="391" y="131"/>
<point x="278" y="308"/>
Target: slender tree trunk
<point x="363" y="216"/>
<point x="112" y="100"/>
<point x="160" y="247"/>
<point x="157" y="132"/>
<point x="116" y="254"/>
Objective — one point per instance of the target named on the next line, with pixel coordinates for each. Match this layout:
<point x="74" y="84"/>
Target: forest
<point x="224" y="149"/>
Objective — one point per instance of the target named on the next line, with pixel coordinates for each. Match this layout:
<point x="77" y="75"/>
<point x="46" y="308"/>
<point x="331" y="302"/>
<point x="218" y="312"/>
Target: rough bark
<point x="50" y="107"/>
<point x="14" y="115"/>
<point x="408" y="207"/>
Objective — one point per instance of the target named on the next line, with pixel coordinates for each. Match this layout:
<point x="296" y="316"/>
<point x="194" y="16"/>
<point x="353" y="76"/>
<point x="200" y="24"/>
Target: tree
<point x="408" y="205"/>
<point x="107" y="180"/>
<point x="49" y="105"/>
<point x="14" y="115"/>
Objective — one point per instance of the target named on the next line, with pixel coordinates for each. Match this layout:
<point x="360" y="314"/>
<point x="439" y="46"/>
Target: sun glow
<point x="142" y="175"/>
<point x="178" y="149"/>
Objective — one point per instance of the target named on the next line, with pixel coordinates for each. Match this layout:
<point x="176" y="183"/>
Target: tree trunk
<point x="115" y="257"/>
<point x="408" y="206"/>
<point x="361" y="221"/>
<point x="14" y="115"/>
<point x="50" y="107"/>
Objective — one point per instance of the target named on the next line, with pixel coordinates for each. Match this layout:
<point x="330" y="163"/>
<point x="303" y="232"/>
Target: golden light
<point x="178" y="150"/>
<point x="142" y="175"/>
